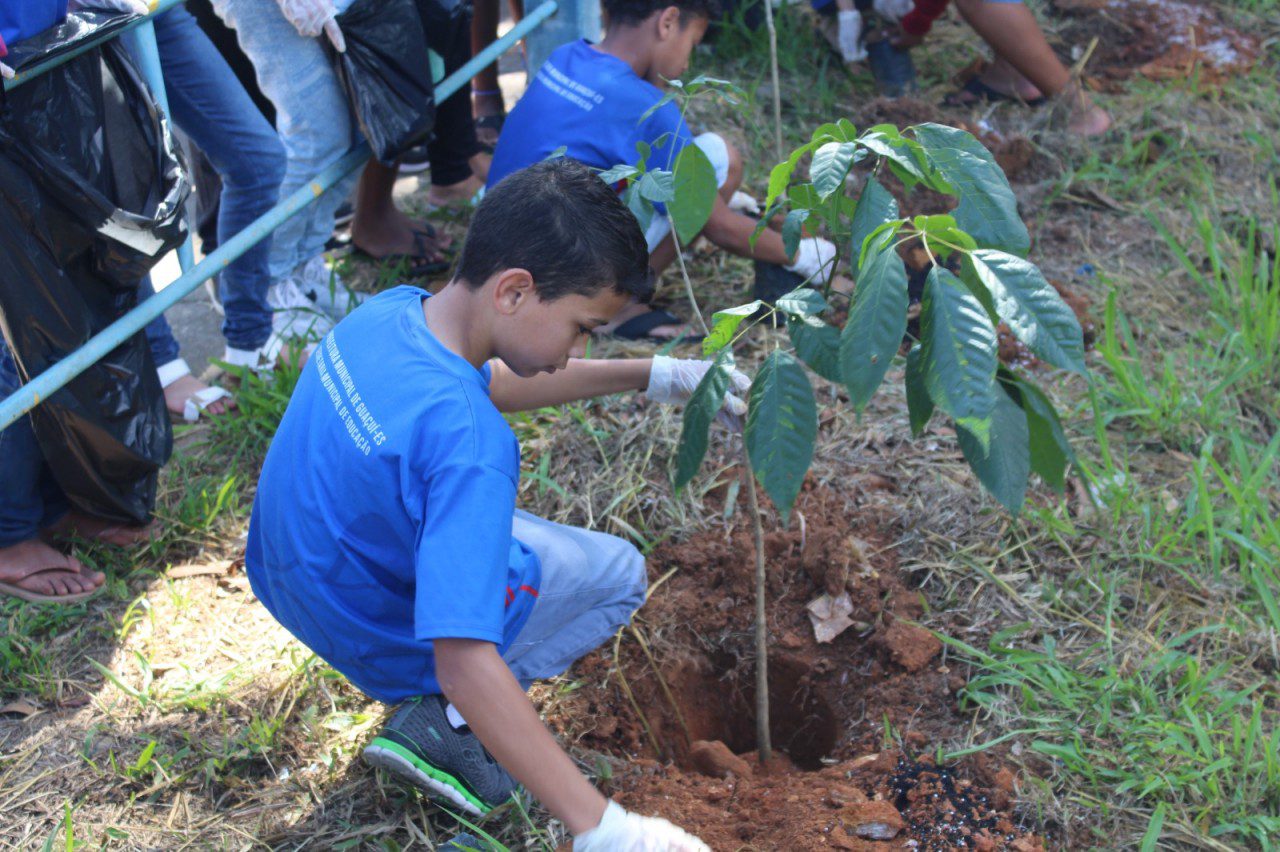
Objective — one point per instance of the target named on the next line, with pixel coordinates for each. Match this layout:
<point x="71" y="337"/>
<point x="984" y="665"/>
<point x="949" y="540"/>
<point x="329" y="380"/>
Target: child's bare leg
<point x="1014" y="35"/>
<point x="1004" y="78"/>
<point x="380" y="228"/>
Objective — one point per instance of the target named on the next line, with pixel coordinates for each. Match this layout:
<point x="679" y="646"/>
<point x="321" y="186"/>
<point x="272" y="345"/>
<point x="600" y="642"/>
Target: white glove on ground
<point x="128" y="7"/>
<point x="893" y="10"/>
<point x="814" y="255"/>
<point x="312" y="17"/>
<point x="740" y="202"/>
<point x="675" y="379"/>
<point x="5" y="71"/>
<point x="850" y="36"/>
<point x="620" y="831"/>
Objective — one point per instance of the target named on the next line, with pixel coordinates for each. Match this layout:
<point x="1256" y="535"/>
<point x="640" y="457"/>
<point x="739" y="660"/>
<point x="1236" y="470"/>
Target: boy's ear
<point x="668" y="21"/>
<point x="512" y="289"/>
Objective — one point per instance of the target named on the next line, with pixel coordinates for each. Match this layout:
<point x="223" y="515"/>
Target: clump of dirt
<point x="675" y="700"/>
<point x="1169" y="39"/>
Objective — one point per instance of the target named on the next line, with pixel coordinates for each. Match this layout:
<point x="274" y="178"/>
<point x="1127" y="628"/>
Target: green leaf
<point x="662" y="101"/>
<point x="1154" y="827"/>
<point x="875" y="207"/>
<point x="695" y="193"/>
<point x="988" y="210"/>
<point x="640" y="207"/>
<point x="725" y="323"/>
<point x="818" y="345"/>
<point x="831" y="163"/>
<point x="919" y="405"/>
<point x="793" y="230"/>
<point x="877" y="321"/>
<point x="701" y="409"/>
<point x="958" y="348"/>
<point x="617" y="173"/>
<point x="1032" y="308"/>
<point x="658" y="185"/>
<point x="898" y="151"/>
<point x="782" y="426"/>
<point x="780" y="176"/>
<point x="1004" y="466"/>
<point x="1050" y="449"/>
<point x="804" y="301"/>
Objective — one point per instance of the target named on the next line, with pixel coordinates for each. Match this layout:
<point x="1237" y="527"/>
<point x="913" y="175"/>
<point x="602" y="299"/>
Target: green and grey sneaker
<point x="419" y="745"/>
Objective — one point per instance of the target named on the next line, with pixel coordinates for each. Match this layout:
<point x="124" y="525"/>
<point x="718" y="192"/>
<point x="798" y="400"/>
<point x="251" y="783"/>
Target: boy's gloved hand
<point x="621" y="831"/>
<point x="813" y="255"/>
<point x="312" y="17"/>
<point x="5" y="71"/>
<point x="675" y="379"/>
<point x="128" y="7"/>
<point x="850" y="36"/>
<point x="893" y="10"/>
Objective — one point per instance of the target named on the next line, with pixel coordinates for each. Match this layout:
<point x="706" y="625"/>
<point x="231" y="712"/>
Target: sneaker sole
<point x="438" y="784"/>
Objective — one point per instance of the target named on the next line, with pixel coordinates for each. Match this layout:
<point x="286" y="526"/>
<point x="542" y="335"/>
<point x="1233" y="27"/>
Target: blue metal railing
<point x="40" y="387"/>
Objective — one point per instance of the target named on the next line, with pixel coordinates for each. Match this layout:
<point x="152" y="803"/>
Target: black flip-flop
<point x="419" y="266"/>
<point x="490" y="122"/>
<point x="638" y="328"/>
<point x="982" y="92"/>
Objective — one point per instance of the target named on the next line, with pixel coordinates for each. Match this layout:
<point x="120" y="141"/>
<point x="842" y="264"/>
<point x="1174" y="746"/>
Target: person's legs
<point x="173" y="371"/>
<point x="1015" y="36"/>
<point x="592" y="582"/>
<point x="212" y="108"/>
<point x="454" y="144"/>
<point x="488" y="108"/>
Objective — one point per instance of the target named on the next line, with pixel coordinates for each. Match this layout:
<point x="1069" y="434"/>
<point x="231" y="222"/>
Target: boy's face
<point x="677" y="35"/>
<point x="539" y="336"/>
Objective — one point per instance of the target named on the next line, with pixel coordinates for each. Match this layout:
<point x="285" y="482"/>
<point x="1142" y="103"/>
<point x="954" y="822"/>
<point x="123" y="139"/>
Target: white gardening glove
<point x="5" y="71"/>
<point x="894" y="10"/>
<point x="740" y="202"/>
<point x="850" y="36"/>
<point x="675" y="380"/>
<point x="813" y="256"/>
<point x="312" y="17"/>
<point x="621" y="831"/>
<point x="128" y="7"/>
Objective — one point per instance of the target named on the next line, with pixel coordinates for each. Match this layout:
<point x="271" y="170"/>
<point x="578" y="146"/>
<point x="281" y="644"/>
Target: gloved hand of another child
<point x="312" y="17"/>
<point x="850" y="36"/>
<point x="675" y="379"/>
<point x="894" y="10"/>
<point x="813" y="255"/>
<point x="621" y="831"/>
<point x="128" y="7"/>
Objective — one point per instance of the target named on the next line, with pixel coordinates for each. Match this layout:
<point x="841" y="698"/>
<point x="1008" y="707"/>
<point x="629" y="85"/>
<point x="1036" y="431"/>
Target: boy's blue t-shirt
<point x="384" y="510"/>
<point x="21" y="19"/>
<point x="590" y="103"/>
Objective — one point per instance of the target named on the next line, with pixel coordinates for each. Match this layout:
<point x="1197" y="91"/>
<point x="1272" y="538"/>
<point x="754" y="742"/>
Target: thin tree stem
<point x="773" y="76"/>
<point x="763" y="742"/>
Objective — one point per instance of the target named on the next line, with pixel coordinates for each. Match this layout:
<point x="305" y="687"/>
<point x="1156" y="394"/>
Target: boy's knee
<point x="632" y="576"/>
<point x="735" y="170"/>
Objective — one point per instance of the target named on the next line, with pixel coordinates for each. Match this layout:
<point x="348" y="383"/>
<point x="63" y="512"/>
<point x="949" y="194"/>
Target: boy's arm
<point x="581" y="379"/>
<point x="476" y="680"/>
<point x="732" y="231"/>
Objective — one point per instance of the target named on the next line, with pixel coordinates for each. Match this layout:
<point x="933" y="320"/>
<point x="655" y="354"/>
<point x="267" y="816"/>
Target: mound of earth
<point x="855" y="720"/>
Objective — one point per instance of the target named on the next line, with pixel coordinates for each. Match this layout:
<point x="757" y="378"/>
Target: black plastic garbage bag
<point x="386" y="74"/>
<point x="65" y="37"/>
<point x="446" y="23"/>
<point x="91" y="193"/>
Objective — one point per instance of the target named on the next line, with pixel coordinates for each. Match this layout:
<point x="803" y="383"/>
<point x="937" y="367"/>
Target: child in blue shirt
<point x="384" y="532"/>
<point x="594" y="100"/>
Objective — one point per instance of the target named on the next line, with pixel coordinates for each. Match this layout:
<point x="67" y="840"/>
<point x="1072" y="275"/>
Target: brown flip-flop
<point x="36" y="597"/>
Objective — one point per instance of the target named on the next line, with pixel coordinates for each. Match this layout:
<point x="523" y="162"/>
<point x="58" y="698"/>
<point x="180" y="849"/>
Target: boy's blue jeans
<point x="591" y="584"/>
<point x="29" y="498"/>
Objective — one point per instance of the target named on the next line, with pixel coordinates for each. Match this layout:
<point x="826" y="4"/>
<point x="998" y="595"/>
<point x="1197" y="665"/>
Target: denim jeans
<point x="210" y="106"/>
<point x="592" y="582"/>
<point x="312" y="118"/>
<point x="29" y="498"/>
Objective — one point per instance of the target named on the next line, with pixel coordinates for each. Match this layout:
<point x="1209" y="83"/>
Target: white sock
<point x="455" y="718"/>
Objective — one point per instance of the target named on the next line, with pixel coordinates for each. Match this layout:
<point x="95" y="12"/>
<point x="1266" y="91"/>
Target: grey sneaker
<point x="326" y="289"/>
<point x="420" y="746"/>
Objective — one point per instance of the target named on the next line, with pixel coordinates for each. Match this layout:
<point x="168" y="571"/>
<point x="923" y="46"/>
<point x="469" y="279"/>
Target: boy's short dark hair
<point x="564" y="225"/>
<point x="634" y="11"/>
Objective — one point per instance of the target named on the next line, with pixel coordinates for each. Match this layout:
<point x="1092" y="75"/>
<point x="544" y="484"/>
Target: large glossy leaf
<point x="780" y="176"/>
<point x="818" y="345"/>
<point x="695" y="193"/>
<point x="803" y="301"/>
<point x="877" y="320"/>
<point x="919" y="404"/>
<point x="782" y="426"/>
<point x="831" y="163"/>
<point x="958" y="348"/>
<point x="988" y="210"/>
<point x="1031" y="307"/>
<point x="1005" y="466"/>
<point x="1050" y="450"/>
<point x="657" y="185"/>
<point x="793" y="230"/>
<point x="875" y="207"/>
<point x="898" y="152"/>
<point x="725" y="323"/>
<point x="701" y="409"/>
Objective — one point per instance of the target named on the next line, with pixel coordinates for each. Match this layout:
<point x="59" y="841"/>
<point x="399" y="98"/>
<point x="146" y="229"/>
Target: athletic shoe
<point x="326" y="289"/>
<point x="415" y="160"/>
<point x="420" y="746"/>
<point x="293" y="315"/>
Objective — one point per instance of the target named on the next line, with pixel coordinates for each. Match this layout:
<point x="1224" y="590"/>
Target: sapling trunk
<point x="763" y="743"/>
<point x="773" y="77"/>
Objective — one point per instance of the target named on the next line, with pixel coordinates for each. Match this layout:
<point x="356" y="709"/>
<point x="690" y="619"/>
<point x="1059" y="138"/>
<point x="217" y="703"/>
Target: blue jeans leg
<point x="164" y="346"/>
<point x="210" y="106"/>
<point x="29" y="498"/>
<point x="592" y="582"/>
<point x="312" y="119"/>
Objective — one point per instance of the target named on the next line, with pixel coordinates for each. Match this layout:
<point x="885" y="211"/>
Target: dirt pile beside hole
<point x="678" y="712"/>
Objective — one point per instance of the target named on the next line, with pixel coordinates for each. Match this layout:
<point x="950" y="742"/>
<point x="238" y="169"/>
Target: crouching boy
<point x="385" y="536"/>
<point x="597" y="101"/>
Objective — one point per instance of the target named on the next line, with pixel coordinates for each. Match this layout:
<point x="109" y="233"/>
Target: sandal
<point x="199" y="402"/>
<point x="420" y="262"/>
<point x="638" y="328"/>
<point x="490" y="122"/>
<point x="980" y="92"/>
<point x="38" y="597"/>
